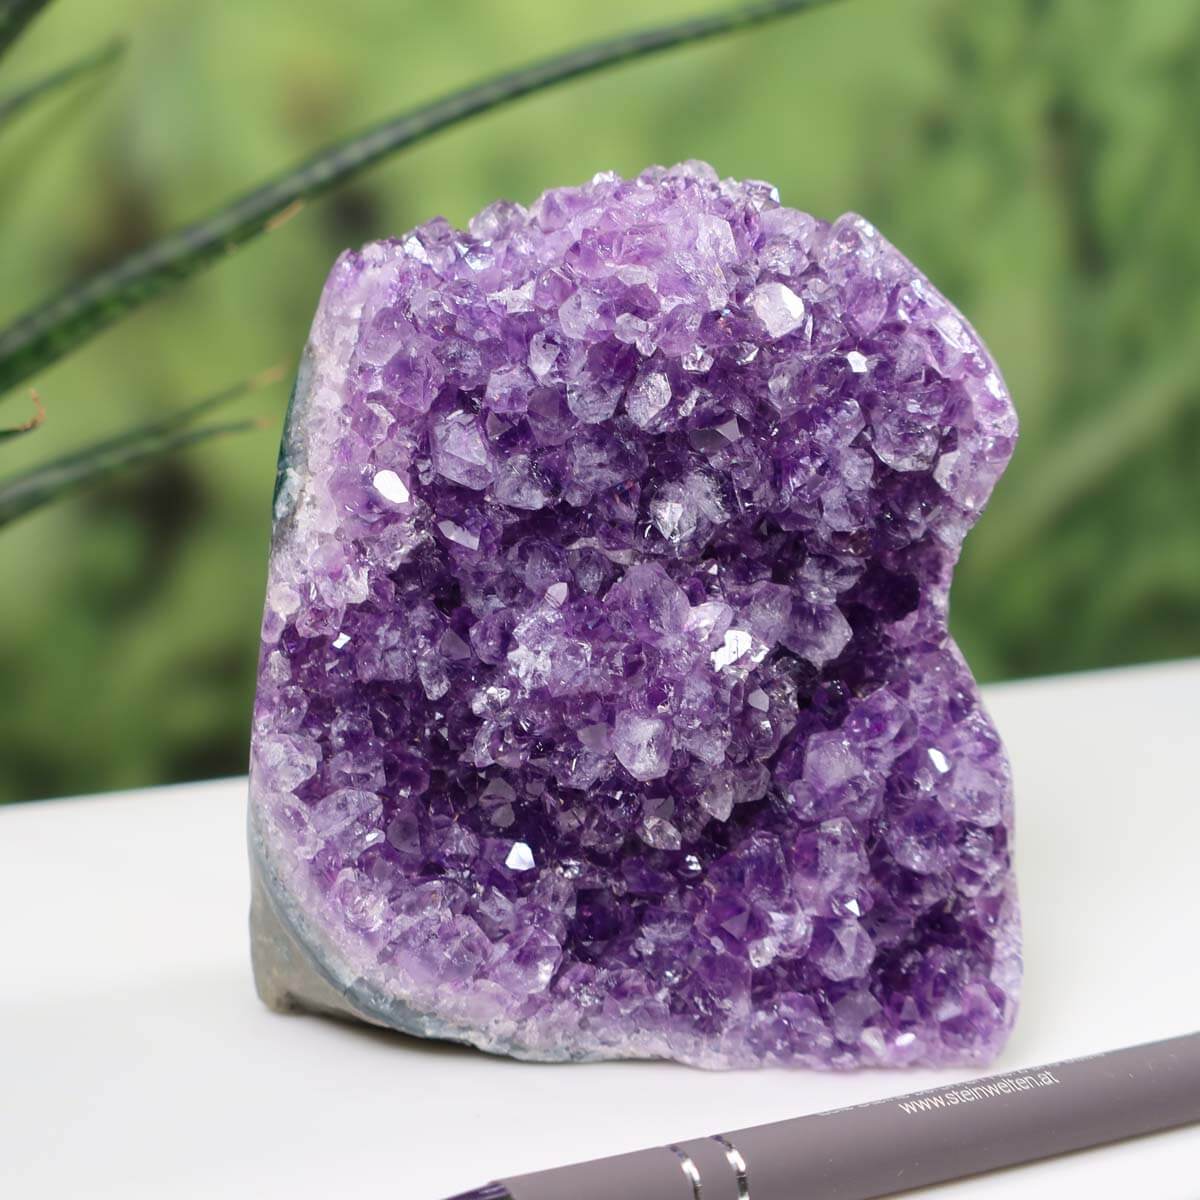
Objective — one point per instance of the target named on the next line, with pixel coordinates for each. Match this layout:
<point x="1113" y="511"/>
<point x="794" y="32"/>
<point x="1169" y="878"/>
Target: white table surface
<point x="135" y="1060"/>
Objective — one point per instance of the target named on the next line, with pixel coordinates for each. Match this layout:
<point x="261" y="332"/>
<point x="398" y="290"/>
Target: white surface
<point x="135" y="1060"/>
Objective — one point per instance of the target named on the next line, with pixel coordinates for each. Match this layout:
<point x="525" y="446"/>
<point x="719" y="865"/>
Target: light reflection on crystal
<point x="520" y="858"/>
<point x="391" y="487"/>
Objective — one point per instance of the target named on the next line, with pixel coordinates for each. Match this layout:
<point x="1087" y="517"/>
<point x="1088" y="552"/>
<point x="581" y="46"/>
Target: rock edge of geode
<point x="292" y="976"/>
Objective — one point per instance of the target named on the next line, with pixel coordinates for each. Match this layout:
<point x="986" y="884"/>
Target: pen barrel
<point x="908" y="1141"/>
<point x="963" y="1129"/>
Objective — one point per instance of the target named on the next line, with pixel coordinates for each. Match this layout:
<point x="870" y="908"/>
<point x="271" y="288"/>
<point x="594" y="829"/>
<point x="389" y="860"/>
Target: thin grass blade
<point x="98" y="60"/>
<point x="59" y="118"/>
<point x="50" y="331"/>
<point x="15" y="15"/>
<point x="49" y="481"/>
<point x="52" y="481"/>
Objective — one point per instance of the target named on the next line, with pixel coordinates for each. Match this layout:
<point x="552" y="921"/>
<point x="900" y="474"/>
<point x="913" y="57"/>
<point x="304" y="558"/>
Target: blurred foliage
<point x="1036" y="158"/>
<point x="78" y="469"/>
<point x="62" y="323"/>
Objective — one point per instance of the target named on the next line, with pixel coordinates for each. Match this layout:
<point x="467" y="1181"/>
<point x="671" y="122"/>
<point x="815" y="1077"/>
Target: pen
<point x="904" y="1142"/>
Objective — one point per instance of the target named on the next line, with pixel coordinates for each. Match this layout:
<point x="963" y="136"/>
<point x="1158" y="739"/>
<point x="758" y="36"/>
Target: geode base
<point x="286" y="975"/>
<point x="294" y="972"/>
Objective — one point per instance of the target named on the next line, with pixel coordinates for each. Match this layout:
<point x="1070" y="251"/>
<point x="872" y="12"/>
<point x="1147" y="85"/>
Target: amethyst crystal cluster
<point x="606" y="704"/>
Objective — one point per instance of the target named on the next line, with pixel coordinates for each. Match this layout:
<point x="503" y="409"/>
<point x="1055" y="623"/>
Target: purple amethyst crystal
<point x="606" y="704"/>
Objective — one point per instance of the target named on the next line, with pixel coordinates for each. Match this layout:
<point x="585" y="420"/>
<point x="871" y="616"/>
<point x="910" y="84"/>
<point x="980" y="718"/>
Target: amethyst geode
<point x="606" y="705"/>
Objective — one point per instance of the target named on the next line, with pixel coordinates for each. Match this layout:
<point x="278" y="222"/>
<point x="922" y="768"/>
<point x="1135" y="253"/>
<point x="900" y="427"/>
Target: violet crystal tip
<point x="606" y="705"/>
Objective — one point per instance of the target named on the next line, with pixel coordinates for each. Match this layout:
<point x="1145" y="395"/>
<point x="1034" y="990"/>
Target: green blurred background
<point x="1038" y="159"/>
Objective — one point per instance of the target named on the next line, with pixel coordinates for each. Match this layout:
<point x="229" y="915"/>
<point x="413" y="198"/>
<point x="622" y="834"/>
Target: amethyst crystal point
<point x="606" y="705"/>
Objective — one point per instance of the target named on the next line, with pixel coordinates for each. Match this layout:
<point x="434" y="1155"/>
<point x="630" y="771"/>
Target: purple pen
<point x="902" y="1143"/>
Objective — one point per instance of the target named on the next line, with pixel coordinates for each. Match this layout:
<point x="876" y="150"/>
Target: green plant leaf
<point x="21" y="99"/>
<point x="39" y="415"/>
<point x="52" y="480"/>
<point x="14" y="16"/>
<point x="58" y="326"/>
